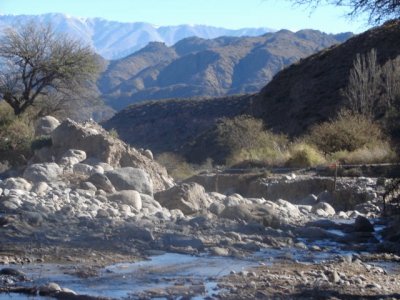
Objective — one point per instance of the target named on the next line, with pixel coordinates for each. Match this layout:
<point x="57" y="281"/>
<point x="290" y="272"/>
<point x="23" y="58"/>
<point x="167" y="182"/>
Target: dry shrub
<point x="348" y="132"/>
<point x="303" y="155"/>
<point x="367" y="155"/>
<point x="247" y="140"/>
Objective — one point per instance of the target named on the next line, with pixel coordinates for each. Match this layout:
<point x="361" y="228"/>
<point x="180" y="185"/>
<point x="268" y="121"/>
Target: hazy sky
<point x="276" y="14"/>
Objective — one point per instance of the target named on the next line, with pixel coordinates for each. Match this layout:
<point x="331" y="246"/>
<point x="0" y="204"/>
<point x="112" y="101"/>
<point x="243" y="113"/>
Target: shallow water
<point x="127" y="280"/>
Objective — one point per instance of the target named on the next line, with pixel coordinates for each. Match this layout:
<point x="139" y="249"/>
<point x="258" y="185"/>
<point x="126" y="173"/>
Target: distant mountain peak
<point x="114" y="39"/>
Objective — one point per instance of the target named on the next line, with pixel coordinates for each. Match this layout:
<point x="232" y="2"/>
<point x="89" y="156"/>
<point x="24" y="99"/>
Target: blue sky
<point x="276" y="14"/>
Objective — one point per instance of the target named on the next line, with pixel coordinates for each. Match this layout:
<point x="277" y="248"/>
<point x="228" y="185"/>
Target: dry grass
<point x="367" y="155"/>
<point x="303" y="155"/>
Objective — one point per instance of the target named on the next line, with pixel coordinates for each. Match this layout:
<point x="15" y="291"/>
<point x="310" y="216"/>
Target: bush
<point x="6" y="114"/>
<point x="15" y="140"/>
<point x="348" y="132"/>
<point x="367" y="155"/>
<point x="303" y="155"/>
<point x="247" y="140"/>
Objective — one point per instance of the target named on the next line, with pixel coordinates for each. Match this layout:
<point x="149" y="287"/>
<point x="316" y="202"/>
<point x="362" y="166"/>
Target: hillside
<point x="167" y="125"/>
<point x="114" y="40"/>
<point x="211" y="68"/>
<point x="309" y="91"/>
<point x="301" y="95"/>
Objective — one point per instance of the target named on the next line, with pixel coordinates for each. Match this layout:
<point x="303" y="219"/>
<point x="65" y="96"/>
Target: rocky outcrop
<point x="100" y="147"/>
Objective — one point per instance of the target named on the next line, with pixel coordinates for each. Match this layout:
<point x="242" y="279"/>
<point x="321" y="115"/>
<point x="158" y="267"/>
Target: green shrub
<point x="347" y="132"/>
<point x="6" y="114"/>
<point x="15" y="140"/>
<point x="303" y="155"/>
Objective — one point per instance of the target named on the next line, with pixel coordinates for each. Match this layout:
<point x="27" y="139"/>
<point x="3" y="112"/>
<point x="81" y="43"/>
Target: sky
<point x="233" y="14"/>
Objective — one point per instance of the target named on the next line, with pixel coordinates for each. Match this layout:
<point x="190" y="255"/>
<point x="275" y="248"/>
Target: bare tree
<point x="378" y="10"/>
<point x="373" y="89"/>
<point x="35" y="62"/>
<point x="363" y="90"/>
<point x="391" y="81"/>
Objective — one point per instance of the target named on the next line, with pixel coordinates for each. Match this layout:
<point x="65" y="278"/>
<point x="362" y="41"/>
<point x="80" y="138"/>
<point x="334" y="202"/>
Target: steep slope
<point x="167" y="125"/>
<point x="309" y="91"/>
<point x="199" y="67"/>
<point x="114" y="40"/>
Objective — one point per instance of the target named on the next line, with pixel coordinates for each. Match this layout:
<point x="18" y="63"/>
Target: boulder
<point x="131" y="179"/>
<point x="40" y="188"/>
<point x="216" y="208"/>
<point x="99" y="144"/>
<point x="129" y="197"/>
<point x="188" y="197"/>
<point x="362" y="224"/>
<point x="17" y="183"/>
<point x="46" y="125"/>
<point x="101" y="181"/>
<point x="325" y="207"/>
<point x="82" y="169"/>
<point x="181" y="241"/>
<point x="290" y="210"/>
<point x="253" y="213"/>
<point x="311" y="199"/>
<point x="46" y="172"/>
<point x="148" y="154"/>
<point x="72" y="157"/>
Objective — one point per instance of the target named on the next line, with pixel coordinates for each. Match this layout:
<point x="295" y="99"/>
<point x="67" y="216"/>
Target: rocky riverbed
<point x="88" y="201"/>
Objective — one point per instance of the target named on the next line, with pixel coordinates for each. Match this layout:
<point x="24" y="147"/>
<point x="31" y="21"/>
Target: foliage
<point x="378" y="10"/>
<point x="347" y="132"/>
<point x="246" y="139"/>
<point x="16" y="137"/>
<point x="38" y="62"/>
<point x="303" y="155"/>
<point x="6" y="114"/>
<point x="114" y="133"/>
<point x="367" y="155"/>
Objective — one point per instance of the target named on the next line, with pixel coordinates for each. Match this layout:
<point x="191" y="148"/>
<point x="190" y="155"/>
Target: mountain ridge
<point x="114" y="39"/>
<point x="196" y="67"/>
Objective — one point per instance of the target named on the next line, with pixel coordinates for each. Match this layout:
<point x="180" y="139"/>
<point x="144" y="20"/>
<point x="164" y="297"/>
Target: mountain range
<point x="197" y="67"/>
<point x="152" y="63"/>
<point x="113" y="40"/>
<point x="305" y="93"/>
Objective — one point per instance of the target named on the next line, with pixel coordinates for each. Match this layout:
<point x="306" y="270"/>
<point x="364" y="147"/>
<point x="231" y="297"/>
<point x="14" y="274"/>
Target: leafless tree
<point x="363" y="90"/>
<point x="373" y="89"/>
<point x="377" y="10"/>
<point x="36" y="62"/>
<point x="391" y="81"/>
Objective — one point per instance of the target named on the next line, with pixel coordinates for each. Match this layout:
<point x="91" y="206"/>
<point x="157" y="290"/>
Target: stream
<point x="198" y="274"/>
